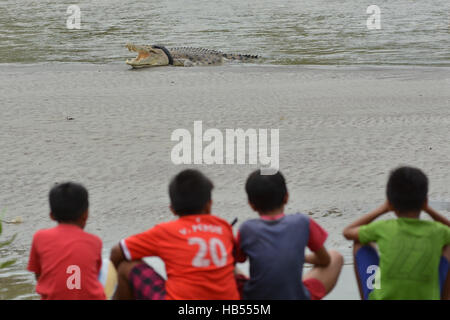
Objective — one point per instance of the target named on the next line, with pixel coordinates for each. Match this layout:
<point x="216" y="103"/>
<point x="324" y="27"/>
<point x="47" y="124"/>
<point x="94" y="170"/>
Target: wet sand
<point x="341" y="130"/>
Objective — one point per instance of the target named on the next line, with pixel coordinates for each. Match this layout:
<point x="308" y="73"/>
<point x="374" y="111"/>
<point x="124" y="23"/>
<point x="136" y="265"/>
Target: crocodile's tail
<point x="241" y="57"/>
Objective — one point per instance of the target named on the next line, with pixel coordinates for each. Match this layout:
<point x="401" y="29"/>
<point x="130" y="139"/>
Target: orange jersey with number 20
<point x="198" y="253"/>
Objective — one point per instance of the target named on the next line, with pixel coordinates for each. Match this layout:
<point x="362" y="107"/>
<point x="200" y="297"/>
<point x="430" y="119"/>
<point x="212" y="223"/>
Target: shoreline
<point x="120" y="65"/>
<point x="120" y="61"/>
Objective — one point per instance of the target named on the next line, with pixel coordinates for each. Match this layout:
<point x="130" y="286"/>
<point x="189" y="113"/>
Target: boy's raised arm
<point x="436" y="216"/>
<point x="351" y="232"/>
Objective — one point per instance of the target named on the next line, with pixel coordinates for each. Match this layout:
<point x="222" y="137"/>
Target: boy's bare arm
<point x="320" y="257"/>
<point x="116" y="256"/>
<point x="436" y="216"/>
<point x="351" y="232"/>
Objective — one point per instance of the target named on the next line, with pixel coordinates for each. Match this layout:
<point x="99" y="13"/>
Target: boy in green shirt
<point x="414" y="254"/>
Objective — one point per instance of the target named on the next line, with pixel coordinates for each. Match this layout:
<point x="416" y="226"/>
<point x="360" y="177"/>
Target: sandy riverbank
<point x="341" y="131"/>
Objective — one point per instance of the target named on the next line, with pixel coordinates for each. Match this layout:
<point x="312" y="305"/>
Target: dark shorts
<point x="367" y="260"/>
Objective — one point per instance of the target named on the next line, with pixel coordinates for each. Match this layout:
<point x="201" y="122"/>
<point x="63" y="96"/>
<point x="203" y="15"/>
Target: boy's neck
<point x="272" y="213"/>
<point x="409" y="214"/>
<point x="194" y="214"/>
<point x="72" y="223"/>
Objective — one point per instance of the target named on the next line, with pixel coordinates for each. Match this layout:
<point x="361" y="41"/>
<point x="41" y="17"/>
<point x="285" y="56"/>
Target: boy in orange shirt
<point x="197" y="249"/>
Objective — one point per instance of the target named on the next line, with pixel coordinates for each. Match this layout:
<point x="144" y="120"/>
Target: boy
<point x="197" y="249"/>
<point x="65" y="259"/>
<point x="275" y="244"/>
<point x="410" y="249"/>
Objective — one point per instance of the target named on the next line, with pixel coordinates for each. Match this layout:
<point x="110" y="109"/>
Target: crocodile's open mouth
<point x="142" y="55"/>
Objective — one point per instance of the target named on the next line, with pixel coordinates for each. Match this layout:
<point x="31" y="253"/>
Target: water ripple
<point x="282" y="31"/>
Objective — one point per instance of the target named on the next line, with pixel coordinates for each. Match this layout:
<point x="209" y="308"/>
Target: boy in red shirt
<point x="65" y="259"/>
<point x="197" y="249"/>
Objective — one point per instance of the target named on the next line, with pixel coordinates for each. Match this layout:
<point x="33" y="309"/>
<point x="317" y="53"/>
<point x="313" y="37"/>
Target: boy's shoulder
<point x="298" y="217"/>
<point x="92" y="237"/>
<point x="295" y="218"/>
<point x="200" y="219"/>
<point x="419" y="227"/>
<point x="45" y="233"/>
<point x="213" y="218"/>
<point x="65" y="232"/>
<point x="437" y="226"/>
<point x="409" y="223"/>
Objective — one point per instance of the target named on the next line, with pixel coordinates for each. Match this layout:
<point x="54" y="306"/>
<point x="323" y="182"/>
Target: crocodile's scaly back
<point x="238" y="56"/>
<point x="202" y="56"/>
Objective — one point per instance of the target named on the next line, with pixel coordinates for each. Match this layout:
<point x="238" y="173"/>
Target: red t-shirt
<point x="68" y="261"/>
<point x="198" y="253"/>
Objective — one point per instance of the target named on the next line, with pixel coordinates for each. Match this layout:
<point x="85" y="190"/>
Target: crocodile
<point x="158" y="55"/>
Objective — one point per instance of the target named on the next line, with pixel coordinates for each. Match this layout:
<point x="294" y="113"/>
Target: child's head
<point x="266" y="193"/>
<point x="407" y="190"/>
<point x="69" y="203"/>
<point x="190" y="193"/>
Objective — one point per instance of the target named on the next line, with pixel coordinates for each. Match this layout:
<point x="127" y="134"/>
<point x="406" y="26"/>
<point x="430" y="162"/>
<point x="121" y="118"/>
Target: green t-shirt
<point x="410" y="251"/>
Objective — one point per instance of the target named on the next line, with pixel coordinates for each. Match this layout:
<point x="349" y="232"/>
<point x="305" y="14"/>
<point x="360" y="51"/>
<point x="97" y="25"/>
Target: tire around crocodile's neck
<point x="167" y="53"/>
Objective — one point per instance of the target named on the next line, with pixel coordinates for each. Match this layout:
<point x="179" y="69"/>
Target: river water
<point x="322" y="32"/>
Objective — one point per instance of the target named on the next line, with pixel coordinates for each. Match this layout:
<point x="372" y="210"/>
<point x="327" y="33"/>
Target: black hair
<point x="407" y="189"/>
<point x="68" y="201"/>
<point x="189" y="192"/>
<point x="266" y="192"/>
